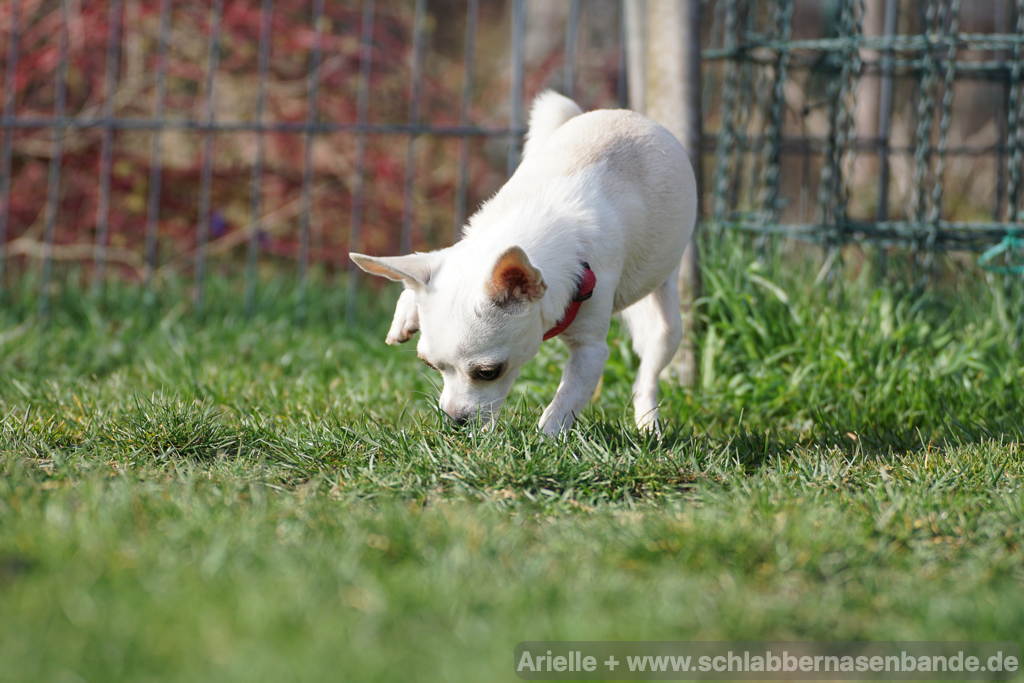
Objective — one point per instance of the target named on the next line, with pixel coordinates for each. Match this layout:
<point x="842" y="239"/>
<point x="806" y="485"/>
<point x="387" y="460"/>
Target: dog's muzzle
<point x="460" y="419"/>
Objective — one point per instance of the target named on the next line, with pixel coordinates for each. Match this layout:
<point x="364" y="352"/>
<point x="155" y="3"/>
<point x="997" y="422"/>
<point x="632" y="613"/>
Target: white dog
<point x="594" y="221"/>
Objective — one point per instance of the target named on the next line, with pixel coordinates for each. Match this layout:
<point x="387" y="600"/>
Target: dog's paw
<point x="401" y="335"/>
<point x="648" y="424"/>
<point x="406" y="321"/>
<point x="553" y="423"/>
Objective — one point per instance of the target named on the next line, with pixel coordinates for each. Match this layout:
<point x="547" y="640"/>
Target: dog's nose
<point x="460" y="418"/>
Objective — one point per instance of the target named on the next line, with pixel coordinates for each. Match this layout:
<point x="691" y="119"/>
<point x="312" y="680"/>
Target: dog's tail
<point x="549" y="111"/>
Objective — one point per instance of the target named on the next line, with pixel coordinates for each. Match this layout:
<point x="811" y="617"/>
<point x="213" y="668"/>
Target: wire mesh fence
<point x="183" y="60"/>
<point x="144" y="138"/>
<point x="893" y="124"/>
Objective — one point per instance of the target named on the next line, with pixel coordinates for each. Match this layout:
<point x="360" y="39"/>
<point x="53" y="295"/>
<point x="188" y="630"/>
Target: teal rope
<point x="900" y="43"/>
<point x="727" y="133"/>
<point x="1011" y="245"/>
<point x="773" y="173"/>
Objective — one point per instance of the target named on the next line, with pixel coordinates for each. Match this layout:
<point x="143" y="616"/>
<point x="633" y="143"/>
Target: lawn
<point x="220" y="497"/>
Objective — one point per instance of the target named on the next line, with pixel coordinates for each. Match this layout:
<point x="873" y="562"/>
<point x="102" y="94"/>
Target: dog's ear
<point x="413" y="270"/>
<point x="514" y="279"/>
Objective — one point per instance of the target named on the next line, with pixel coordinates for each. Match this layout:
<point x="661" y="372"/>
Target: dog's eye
<point x="486" y="373"/>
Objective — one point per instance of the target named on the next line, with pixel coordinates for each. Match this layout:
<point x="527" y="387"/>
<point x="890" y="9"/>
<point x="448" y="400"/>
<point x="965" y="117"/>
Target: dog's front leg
<point x="579" y="380"/>
<point x="406" y="321"/>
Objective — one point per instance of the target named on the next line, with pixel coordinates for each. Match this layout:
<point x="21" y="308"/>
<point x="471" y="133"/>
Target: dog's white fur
<point x="610" y="188"/>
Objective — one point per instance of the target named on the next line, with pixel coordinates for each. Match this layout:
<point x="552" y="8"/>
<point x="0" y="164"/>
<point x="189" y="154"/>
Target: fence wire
<point x="752" y="160"/>
<point x="798" y="101"/>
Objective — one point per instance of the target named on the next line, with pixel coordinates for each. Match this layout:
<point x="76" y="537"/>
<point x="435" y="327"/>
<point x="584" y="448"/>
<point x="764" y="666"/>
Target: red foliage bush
<point x="90" y="30"/>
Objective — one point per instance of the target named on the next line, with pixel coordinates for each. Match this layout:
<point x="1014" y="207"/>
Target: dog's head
<point x="479" y="321"/>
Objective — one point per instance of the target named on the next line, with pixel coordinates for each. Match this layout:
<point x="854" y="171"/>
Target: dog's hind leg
<point x="656" y="328"/>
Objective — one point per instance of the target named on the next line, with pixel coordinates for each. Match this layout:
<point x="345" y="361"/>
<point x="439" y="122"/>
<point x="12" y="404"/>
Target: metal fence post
<point x="515" y="122"/>
<point x="355" y="235"/>
<point x="155" y="152"/>
<point x="106" y="150"/>
<point x="53" y="180"/>
<point x="10" y="72"/>
<point x="664" y="74"/>
<point x="206" y="172"/>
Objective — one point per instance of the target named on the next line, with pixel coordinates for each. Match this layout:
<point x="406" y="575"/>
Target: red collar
<point x="584" y="291"/>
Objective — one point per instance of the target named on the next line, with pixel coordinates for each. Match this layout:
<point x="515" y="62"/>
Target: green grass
<point x="275" y="498"/>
